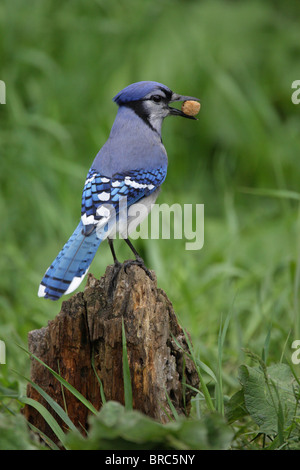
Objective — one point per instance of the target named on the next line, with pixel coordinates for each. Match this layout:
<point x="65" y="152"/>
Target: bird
<point x="131" y="166"/>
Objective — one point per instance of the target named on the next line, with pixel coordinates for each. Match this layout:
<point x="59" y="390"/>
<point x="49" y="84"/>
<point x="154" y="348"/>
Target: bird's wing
<point x="102" y="192"/>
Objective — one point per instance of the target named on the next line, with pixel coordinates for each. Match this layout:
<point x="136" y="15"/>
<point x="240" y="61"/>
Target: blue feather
<point x="70" y="266"/>
<point x="72" y="263"/>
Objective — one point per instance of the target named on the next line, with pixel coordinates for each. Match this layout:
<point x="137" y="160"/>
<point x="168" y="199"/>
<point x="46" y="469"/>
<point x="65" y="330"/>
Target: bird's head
<point x="150" y="101"/>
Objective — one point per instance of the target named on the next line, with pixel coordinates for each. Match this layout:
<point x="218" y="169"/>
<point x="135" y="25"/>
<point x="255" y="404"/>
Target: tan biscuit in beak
<point x="191" y="108"/>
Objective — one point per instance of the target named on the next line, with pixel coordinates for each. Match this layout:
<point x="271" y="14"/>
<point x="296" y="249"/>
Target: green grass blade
<point x="54" y="405"/>
<point x="66" y="384"/>
<point x="172" y="407"/>
<point x="50" y="420"/>
<point x="102" y="394"/>
<point x="278" y="193"/>
<point x="219" y="385"/>
<point x="62" y="391"/>
<point x="44" y="437"/>
<point x="265" y="351"/>
<point x="204" y="388"/>
<point x="206" y="369"/>
<point x="201" y="364"/>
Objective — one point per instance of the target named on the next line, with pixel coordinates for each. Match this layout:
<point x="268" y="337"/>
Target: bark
<point x="89" y="327"/>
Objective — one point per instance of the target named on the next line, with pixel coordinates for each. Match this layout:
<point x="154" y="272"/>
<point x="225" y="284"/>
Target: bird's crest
<point x="137" y="91"/>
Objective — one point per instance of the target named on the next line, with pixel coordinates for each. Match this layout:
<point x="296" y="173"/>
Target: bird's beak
<point x="178" y="112"/>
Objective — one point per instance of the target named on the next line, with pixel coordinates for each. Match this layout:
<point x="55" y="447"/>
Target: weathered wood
<point x="89" y="325"/>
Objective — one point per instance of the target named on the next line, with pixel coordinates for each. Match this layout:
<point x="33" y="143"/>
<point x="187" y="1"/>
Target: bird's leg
<point x="116" y="268"/>
<point x="117" y="264"/>
<point x="138" y="259"/>
<point x="112" y="249"/>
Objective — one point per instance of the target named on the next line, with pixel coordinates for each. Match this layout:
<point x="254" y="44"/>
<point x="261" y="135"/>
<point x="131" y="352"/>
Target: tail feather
<point x="70" y="266"/>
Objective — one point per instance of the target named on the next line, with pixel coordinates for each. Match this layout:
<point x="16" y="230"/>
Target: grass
<point x="61" y="67"/>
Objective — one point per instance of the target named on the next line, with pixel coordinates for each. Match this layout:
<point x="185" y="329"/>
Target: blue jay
<point x="132" y="164"/>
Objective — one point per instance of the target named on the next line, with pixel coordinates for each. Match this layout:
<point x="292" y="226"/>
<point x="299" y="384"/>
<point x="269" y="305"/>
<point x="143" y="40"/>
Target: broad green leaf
<point x="269" y="396"/>
<point x="235" y="408"/>
<point x="208" y="433"/>
<point x="14" y="434"/>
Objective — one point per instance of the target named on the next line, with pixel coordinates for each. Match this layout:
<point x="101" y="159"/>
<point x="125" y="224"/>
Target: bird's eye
<point x="156" y="98"/>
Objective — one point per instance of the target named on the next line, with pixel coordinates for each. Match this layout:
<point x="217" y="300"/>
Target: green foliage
<point x="14" y="434"/>
<point x="270" y="397"/>
<point x="117" y="428"/>
<point x="62" y="62"/>
<point x="268" y="394"/>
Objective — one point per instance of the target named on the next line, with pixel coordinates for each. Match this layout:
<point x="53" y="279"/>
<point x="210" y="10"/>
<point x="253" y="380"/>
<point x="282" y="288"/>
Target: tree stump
<point x="89" y="327"/>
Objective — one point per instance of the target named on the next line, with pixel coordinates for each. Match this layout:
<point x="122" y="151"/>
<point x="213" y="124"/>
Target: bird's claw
<point x="138" y="262"/>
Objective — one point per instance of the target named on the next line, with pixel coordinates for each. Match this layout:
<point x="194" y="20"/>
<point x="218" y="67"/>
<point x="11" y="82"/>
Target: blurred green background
<point x="62" y="63"/>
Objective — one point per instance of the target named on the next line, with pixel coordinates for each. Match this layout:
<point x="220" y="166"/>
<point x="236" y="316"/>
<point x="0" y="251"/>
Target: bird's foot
<point x="137" y="262"/>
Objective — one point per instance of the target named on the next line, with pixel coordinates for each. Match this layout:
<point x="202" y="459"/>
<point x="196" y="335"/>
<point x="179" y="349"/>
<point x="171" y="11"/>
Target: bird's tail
<point x="70" y="266"/>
